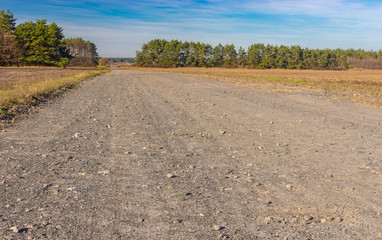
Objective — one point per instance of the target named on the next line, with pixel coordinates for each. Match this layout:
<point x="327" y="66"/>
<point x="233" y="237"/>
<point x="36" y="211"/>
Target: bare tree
<point x="83" y="53"/>
<point x="9" y="51"/>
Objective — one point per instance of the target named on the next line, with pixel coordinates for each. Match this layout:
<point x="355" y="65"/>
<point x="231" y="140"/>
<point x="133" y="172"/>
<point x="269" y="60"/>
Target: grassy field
<point x="23" y="86"/>
<point x="359" y="85"/>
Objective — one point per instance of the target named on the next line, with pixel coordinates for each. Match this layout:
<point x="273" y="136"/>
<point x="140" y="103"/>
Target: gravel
<point x="114" y="177"/>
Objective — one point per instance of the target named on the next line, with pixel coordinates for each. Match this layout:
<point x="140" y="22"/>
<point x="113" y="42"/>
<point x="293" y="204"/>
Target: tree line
<point x="37" y="43"/>
<point x="121" y="60"/>
<point x="176" y="53"/>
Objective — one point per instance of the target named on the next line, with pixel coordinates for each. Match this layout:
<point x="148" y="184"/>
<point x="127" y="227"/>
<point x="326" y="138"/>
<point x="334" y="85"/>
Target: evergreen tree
<point x="41" y="44"/>
<point x="7" y="21"/>
<point x="268" y="59"/>
<point x="9" y="51"/>
<point x="229" y="56"/>
<point x="191" y="54"/>
<point x="208" y="54"/>
<point x="139" y="60"/>
<point x="217" y="58"/>
<point x="200" y="54"/>
<point x="282" y="57"/>
<point x="170" y="55"/>
<point x="241" y="57"/>
<point x="255" y="55"/>
<point x="295" y="59"/>
<point x="184" y="52"/>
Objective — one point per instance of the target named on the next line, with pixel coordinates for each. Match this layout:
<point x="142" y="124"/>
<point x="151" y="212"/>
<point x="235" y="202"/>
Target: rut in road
<point x="134" y="155"/>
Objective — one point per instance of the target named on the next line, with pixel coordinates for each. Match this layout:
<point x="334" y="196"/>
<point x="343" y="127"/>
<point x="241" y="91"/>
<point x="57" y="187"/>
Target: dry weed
<point x="24" y="85"/>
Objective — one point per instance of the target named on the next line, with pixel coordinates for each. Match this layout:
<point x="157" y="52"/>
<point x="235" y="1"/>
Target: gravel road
<point x="137" y="155"/>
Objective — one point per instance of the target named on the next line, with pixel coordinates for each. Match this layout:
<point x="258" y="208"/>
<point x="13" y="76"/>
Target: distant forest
<point x="41" y="44"/>
<point x="174" y="53"/>
<point x="120" y="60"/>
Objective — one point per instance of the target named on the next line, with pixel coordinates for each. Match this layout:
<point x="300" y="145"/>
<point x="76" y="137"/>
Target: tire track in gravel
<point x="244" y="163"/>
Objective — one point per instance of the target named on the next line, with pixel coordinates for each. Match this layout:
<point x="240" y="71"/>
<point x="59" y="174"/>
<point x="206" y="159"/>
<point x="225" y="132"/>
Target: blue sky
<point x="119" y="28"/>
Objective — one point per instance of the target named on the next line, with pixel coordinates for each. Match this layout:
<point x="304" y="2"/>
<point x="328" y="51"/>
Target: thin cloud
<point x="126" y="24"/>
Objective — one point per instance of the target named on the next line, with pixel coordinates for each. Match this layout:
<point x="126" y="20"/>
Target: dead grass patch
<point x="23" y="86"/>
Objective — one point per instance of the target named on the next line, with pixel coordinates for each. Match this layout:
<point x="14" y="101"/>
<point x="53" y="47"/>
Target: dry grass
<point x="359" y="85"/>
<point x="19" y="86"/>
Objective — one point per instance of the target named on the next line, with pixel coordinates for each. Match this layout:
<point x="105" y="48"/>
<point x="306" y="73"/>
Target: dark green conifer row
<point x="176" y="53"/>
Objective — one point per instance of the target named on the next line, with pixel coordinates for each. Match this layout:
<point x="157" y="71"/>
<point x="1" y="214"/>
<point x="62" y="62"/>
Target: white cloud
<point x="119" y="28"/>
<point x="335" y="10"/>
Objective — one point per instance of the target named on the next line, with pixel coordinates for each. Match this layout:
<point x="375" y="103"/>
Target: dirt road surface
<point x="134" y="155"/>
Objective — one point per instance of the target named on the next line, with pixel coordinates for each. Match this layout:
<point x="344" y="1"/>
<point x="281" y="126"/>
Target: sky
<point x="120" y="27"/>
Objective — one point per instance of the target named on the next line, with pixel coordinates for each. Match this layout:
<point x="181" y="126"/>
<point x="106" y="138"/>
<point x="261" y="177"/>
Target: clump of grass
<point x="28" y="93"/>
<point x="297" y="80"/>
<point x="279" y="79"/>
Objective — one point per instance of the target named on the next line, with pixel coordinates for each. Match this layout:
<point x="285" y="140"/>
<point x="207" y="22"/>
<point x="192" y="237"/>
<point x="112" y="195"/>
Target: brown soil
<point x="138" y="155"/>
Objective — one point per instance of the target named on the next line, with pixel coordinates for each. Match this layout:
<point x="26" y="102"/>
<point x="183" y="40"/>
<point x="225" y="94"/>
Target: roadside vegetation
<point x="174" y="53"/>
<point x="39" y="43"/>
<point x="22" y="87"/>
<point x="34" y="57"/>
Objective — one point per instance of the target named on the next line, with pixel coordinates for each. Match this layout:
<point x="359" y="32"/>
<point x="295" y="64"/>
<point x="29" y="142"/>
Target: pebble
<point x="289" y="186"/>
<point x="222" y="132"/>
<point x="217" y="227"/>
<point x="337" y="219"/>
<point x="76" y="135"/>
<point x="177" y="221"/>
<point x="267" y="202"/>
<point x="14" y="229"/>
<point x="104" y="172"/>
<point x="268" y="220"/>
<point x="308" y="218"/>
<point x="169" y="175"/>
<point x="257" y="184"/>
